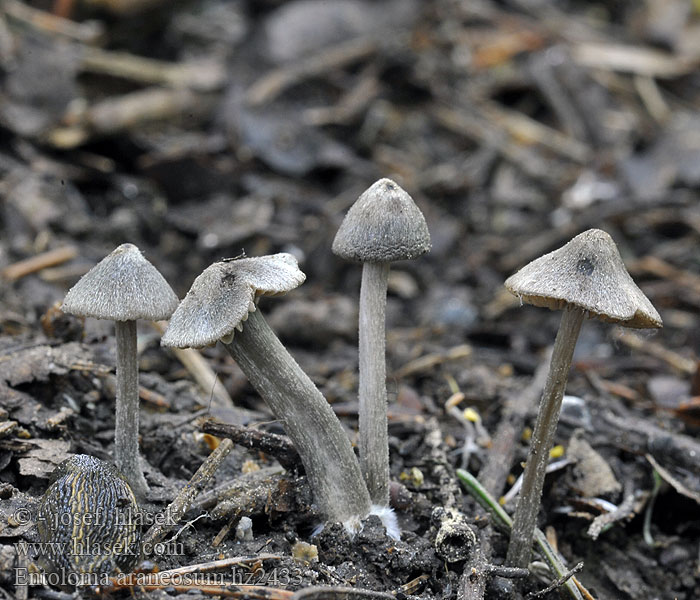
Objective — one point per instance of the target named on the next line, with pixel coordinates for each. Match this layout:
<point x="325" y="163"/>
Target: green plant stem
<point x="503" y="520"/>
<point x="525" y="517"/>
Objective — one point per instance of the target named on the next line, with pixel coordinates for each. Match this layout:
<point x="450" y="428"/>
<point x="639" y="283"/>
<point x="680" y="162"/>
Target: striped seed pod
<point x="89" y="520"/>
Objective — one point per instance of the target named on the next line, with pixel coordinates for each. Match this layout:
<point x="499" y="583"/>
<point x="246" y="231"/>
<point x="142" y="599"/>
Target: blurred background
<point x="203" y="129"/>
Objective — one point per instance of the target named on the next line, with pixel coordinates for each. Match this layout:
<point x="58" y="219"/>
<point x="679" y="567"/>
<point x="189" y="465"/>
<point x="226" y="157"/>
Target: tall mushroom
<point x="384" y="225"/>
<point x="221" y="305"/>
<point x="124" y="287"/>
<point x="586" y="277"/>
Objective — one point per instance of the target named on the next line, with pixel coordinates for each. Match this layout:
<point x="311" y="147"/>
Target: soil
<point x="514" y="125"/>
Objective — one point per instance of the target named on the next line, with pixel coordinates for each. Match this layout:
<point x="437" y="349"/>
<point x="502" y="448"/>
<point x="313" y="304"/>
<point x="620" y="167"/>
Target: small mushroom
<point x="124" y="287"/>
<point x="586" y="277"/>
<point x="384" y="225"/>
<point x="221" y="305"/>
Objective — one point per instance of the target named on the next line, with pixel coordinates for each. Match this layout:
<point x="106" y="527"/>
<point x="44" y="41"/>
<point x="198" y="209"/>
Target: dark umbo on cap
<point x="588" y="273"/>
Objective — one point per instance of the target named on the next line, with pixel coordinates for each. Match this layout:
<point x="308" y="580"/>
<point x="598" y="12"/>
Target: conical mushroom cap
<point x="383" y="225"/>
<point x="223" y="295"/>
<point x="123" y="286"/>
<point x="588" y="273"/>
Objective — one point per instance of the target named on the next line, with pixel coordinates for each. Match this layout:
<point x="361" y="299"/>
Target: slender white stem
<point x="325" y="450"/>
<point x="525" y="517"/>
<point x="374" y="439"/>
<point x="126" y="428"/>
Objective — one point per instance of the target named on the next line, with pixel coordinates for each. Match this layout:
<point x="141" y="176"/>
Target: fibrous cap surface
<point x="123" y="286"/>
<point x="383" y="225"/>
<point x="223" y="295"/>
<point x="587" y="273"/>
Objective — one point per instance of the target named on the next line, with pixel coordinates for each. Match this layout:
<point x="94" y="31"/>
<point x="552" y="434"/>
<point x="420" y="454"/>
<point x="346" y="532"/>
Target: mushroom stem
<point x="330" y="464"/>
<point x="374" y="439"/>
<point x="126" y="427"/>
<point x="525" y="517"/>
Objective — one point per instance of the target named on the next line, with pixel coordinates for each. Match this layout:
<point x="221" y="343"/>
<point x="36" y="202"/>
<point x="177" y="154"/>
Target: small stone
<point x="574" y="412"/>
<point x="305" y="552"/>
<point x="592" y="475"/>
<point x="244" y="530"/>
<point x="413" y="477"/>
<point x="402" y="284"/>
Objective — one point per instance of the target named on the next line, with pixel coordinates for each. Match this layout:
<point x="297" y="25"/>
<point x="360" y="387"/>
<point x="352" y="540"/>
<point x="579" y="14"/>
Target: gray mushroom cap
<point x="383" y="225"/>
<point x="123" y="286"/>
<point x="588" y="273"/>
<point x="223" y="295"/>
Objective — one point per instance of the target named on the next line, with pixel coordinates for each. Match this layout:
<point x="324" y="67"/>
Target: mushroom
<point x="124" y="287"/>
<point x="221" y="305"/>
<point x="382" y="226"/>
<point x="586" y="277"/>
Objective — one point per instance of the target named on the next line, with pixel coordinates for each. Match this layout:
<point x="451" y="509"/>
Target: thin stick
<point x="213" y="565"/>
<point x="685" y="365"/>
<point x="114" y="114"/>
<point x="201" y="76"/>
<point x="428" y="361"/>
<point x="521" y="126"/>
<point x="525" y="516"/>
<point x="182" y="502"/>
<point x="88" y="32"/>
<point x="653" y="265"/>
<point x="270" y="85"/>
<point x="639" y="60"/>
<point x="50" y="258"/>
<point x="558" y="583"/>
<point x="153" y="398"/>
<point x="279" y="446"/>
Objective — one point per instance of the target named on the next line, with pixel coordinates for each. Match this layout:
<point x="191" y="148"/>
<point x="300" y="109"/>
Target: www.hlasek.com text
<point x="86" y="548"/>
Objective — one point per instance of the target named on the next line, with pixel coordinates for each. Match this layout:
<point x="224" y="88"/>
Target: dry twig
<point x="50" y="258"/>
<point x="272" y="84"/>
<point x="182" y="502"/>
<point x="428" y="361"/>
<point x="275" y="445"/>
<point x="675" y="360"/>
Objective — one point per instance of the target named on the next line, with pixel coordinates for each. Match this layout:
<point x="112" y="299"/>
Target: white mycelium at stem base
<point x="307" y="419"/>
<point x="221" y="306"/>
<point x="384" y="225"/>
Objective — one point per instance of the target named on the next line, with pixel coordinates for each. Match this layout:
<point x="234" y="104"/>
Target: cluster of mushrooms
<point x="586" y="277"/>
